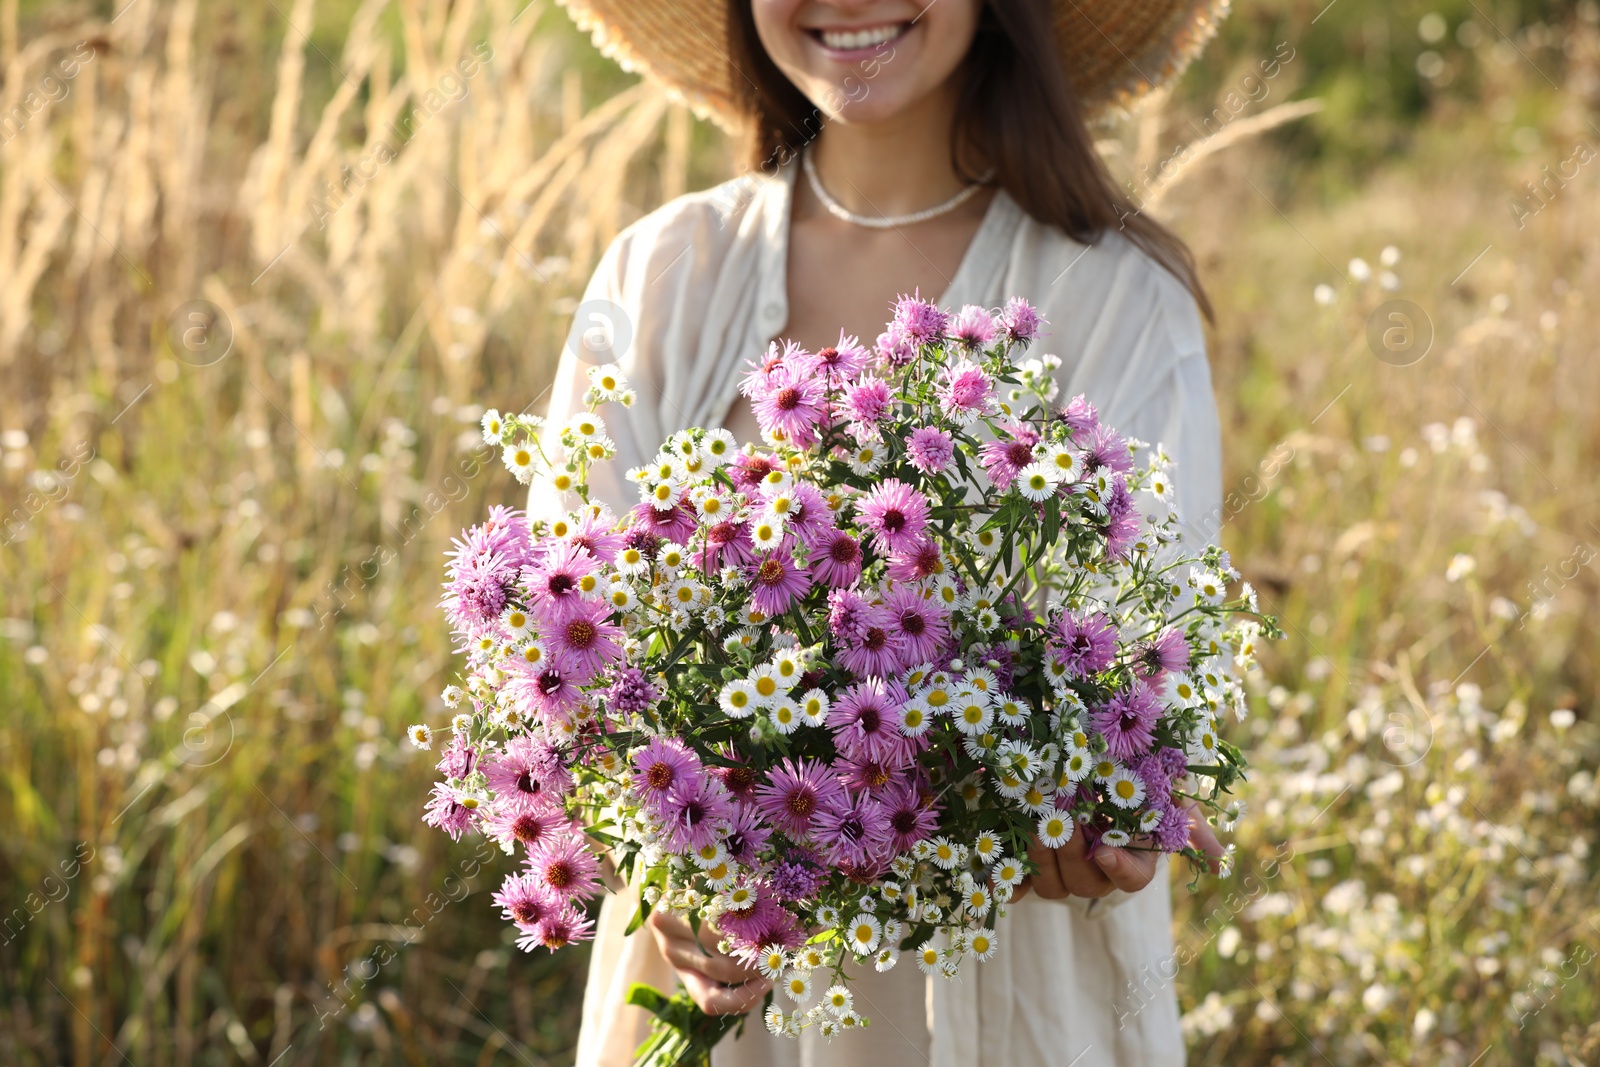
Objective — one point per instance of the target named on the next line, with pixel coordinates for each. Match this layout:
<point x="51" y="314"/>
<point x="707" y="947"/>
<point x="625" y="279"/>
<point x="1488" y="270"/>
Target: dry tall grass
<point x="222" y="536"/>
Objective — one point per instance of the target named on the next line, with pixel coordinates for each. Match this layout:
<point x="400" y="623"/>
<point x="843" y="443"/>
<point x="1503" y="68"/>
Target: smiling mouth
<point x="859" y="39"/>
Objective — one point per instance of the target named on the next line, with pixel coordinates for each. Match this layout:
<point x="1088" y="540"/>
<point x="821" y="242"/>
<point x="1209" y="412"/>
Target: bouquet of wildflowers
<point x="824" y="692"/>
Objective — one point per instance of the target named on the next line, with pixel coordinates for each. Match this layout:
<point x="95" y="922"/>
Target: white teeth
<point x="851" y="40"/>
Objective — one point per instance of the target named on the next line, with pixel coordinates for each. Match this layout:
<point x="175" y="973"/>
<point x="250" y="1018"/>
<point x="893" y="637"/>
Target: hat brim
<point x="1114" y="51"/>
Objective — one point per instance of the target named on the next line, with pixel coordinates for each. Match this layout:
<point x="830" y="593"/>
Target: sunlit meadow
<point x="260" y="264"/>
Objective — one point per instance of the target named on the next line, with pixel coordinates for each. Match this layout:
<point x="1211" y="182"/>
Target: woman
<point x="899" y="146"/>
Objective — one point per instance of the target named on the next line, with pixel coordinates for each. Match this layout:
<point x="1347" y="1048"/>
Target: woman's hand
<point x="1067" y="872"/>
<point x="716" y="982"/>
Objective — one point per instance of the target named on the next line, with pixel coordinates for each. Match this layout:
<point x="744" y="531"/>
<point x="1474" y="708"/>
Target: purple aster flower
<point x="1004" y="457"/>
<point x="792" y="404"/>
<point x="916" y="562"/>
<point x="1107" y="448"/>
<point x="564" y="866"/>
<point x="930" y="449"/>
<point x="445" y="812"/>
<point x="972" y="327"/>
<point x="836" y="559"/>
<point x="642" y="539"/>
<point x="459" y="759"/>
<point x="1020" y="320"/>
<point x="1172" y="833"/>
<point x="661" y="764"/>
<point x="597" y="534"/>
<point x="747" y="834"/>
<point x="920" y="622"/>
<point x="1174" y="761"/>
<point x="1128" y="720"/>
<point x="777" y="581"/>
<point x="912" y="817"/>
<point x="894" y="513"/>
<point x="1085" y="644"/>
<point x="811" y="518"/>
<point x="851" y="830"/>
<point x="1167" y="651"/>
<point x="525" y="901"/>
<point x="549" y="689"/>
<point x="631" y="692"/>
<point x="874" y="775"/>
<point x="921" y="320"/>
<point x="512" y="823"/>
<point x="695" y="812"/>
<point x="750" y="468"/>
<point x="727" y="544"/>
<point x="559" y="929"/>
<point x="797" y="877"/>
<point x="841" y="362"/>
<point x="758" y="378"/>
<point x="864" y="720"/>
<point x="583" y="641"/>
<point x="876" y="652"/>
<point x="1122" y="519"/>
<point x="740" y="779"/>
<point x="677" y="523"/>
<point x="896" y="348"/>
<point x="479" y="589"/>
<point x="848" y="615"/>
<point x="867" y="403"/>
<point x="528" y="774"/>
<point x="764" y="925"/>
<point x="795" y="791"/>
<point x="965" y="389"/>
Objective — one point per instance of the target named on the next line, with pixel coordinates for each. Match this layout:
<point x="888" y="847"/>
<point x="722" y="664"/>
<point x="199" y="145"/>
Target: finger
<point x="1081" y="877"/>
<point x="1204" y="838"/>
<point x="686" y="955"/>
<point x="714" y="998"/>
<point x="1022" y="889"/>
<point x="1047" y="882"/>
<point x="1128" y="870"/>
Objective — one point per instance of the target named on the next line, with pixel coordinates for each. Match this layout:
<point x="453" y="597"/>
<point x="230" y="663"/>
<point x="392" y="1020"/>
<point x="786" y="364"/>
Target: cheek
<point x="776" y="24"/>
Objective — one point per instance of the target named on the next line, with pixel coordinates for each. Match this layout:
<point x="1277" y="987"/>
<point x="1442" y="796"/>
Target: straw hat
<point x="1115" y="51"/>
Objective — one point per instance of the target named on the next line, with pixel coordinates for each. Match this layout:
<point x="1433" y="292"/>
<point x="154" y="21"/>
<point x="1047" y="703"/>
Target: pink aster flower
<point x="1167" y="651"/>
<point x="777" y="581"/>
<point x="564" y="866"/>
<point x="972" y="327"/>
<point x="552" y="582"/>
<point x="549" y="690"/>
<point x="726" y="544"/>
<point x="848" y="615"/>
<point x="764" y="925"/>
<point x="1127" y="721"/>
<point x="965" y="389"/>
<point x="510" y="824"/>
<point x="916" y="562"/>
<point x="930" y="449"/>
<point x="894" y="513"/>
<point x="864" y="721"/>
<point x="814" y="519"/>
<point x="921" y="320"/>
<point x="695" y="812"/>
<point x="920" y="622"/>
<point x="1004" y="457"/>
<point x="583" y="641"/>
<point x="895" y="347"/>
<point x="1107" y="448"/>
<point x="877" y="651"/>
<point x="791" y="403"/>
<point x="1172" y="832"/>
<point x="758" y="379"/>
<point x="525" y="901"/>
<point x="836" y="559"/>
<point x="852" y="830"/>
<point x="1085" y="644"/>
<point x="1080" y="416"/>
<point x="794" y="792"/>
<point x="479" y="589"/>
<point x="1122" y="519"/>
<point x="528" y="774"/>
<point x="445" y="812"/>
<point x="459" y="759"/>
<point x="1019" y="319"/>
<point x="749" y="468"/>
<point x="867" y="403"/>
<point x="662" y="764"/>
<point x="841" y="362"/>
<point x="912" y="817"/>
<point x="677" y="523"/>
<point x="597" y="534"/>
<point x="567" y="926"/>
<point x="748" y="834"/>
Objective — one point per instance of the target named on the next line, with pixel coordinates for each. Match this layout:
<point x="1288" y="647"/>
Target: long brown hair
<point x="1016" y="113"/>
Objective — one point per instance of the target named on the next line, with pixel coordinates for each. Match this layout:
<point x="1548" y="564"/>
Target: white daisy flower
<point x="621" y="597"/>
<point x="630" y="562"/>
<point x="866" y="460"/>
<point x="1115" y="838"/>
<point x="1055" y="829"/>
<point x="718" y="446"/>
<point x="660" y="495"/>
<point x="977" y="900"/>
<point x="788" y="665"/>
<point x="864" y="934"/>
<point x="1125" y="789"/>
<point x="946" y="854"/>
<point x="767" y="685"/>
<point x="950" y="968"/>
<point x="987" y="542"/>
<point x="671" y="556"/>
<point x="772" y="963"/>
<point x="607" y="381"/>
<point x="814" y="707"/>
<point x="837" y="999"/>
<point x="1202" y="746"/>
<point x="986" y="846"/>
<point x="720" y="876"/>
<point x="738" y="699"/>
<point x="914" y="718"/>
<point x="828" y="1027"/>
<point x="1065" y="461"/>
<point x="520" y="461"/>
<point x="785" y="715"/>
<point x="808" y="958"/>
<point x="708" y="855"/>
<point x="827" y="915"/>
<point x="1150" y="821"/>
<point x="928" y="958"/>
<point x="885" y="960"/>
<point x="421" y="735"/>
<point x="1007" y="872"/>
<point x="797" y="984"/>
<point x="1105" y="770"/>
<point x="1208" y="587"/>
<point x="1038" y="797"/>
<point x="776" y="1024"/>
<point x="982" y="943"/>
<point x="1076" y="766"/>
<point x="766" y="534"/>
<point x="1036" y="481"/>
<point x="586" y="425"/>
<point x="493" y="426"/>
<point x="972" y="714"/>
<point x="452" y="696"/>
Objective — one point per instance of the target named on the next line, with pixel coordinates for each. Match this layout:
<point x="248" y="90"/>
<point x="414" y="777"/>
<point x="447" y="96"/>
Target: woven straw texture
<point x="1114" y="51"/>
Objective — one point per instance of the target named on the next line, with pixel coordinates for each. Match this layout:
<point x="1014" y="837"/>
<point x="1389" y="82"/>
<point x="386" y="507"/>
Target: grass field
<point x="237" y="432"/>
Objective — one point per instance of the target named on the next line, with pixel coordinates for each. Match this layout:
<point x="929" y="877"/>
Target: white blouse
<point x="681" y="299"/>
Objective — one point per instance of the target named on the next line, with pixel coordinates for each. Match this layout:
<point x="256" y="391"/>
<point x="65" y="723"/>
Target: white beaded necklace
<point x="885" y="222"/>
